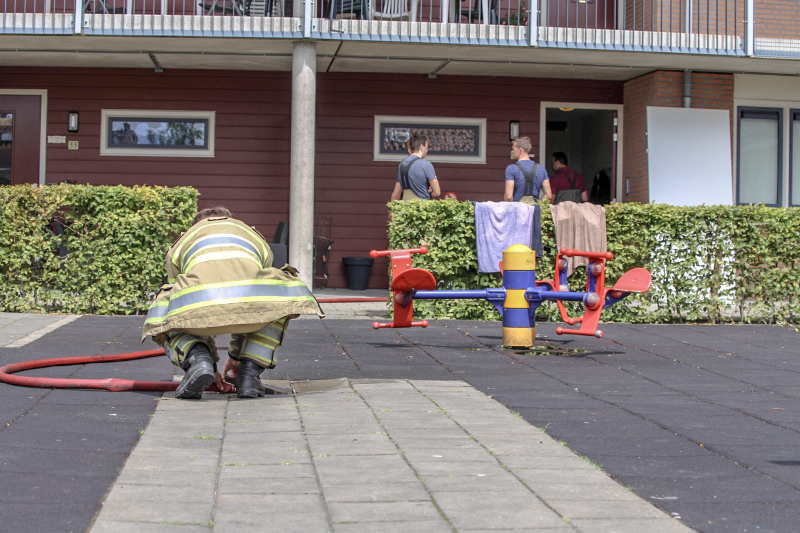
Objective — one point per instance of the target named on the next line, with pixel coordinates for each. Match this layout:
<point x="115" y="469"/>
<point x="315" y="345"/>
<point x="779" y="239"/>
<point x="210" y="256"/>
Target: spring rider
<point x="521" y="293"/>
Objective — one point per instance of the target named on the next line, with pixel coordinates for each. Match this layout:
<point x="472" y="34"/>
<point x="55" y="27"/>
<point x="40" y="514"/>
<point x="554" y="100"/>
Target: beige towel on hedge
<point x="581" y="227"/>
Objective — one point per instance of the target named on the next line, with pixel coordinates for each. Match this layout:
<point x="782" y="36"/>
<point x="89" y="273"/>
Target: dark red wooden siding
<point x="250" y="172"/>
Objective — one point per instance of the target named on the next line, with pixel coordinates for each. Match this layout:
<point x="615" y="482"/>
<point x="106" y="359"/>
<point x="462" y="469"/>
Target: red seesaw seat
<point x="414" y="278"/>
<point x="634" y="280"/>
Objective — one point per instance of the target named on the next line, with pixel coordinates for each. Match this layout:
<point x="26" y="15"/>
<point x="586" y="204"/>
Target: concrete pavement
<point x="361" y="456"/>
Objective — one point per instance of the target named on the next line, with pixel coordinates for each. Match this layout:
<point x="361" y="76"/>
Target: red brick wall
<point x="777" y="19"/>
<point x="662" y="89"/>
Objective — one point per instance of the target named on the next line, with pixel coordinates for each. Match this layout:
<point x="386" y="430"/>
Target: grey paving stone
<point x="259" y="456"/>
<point x="460" y="468"/>
<point x="479" y="484"/>
<point x="616" y="510"/>
<point x="496" y="510"/>
<point x="298" y="503"/>
<point x="417" y="526"/>
<point x="159" y="511"/>
<point x="444" y="454"/>
<point x="565" y="527"/>
<point x="382" y="511"/>
<point x="115" y="526"/>
<point x="266" y="471"/>
<point x="352" y="444"/>
<point x="253" y="519"/>
<point x="254" y="484"/>
<point x="189" y="492"/>
<point x="344" y="428"/>
<point x="608" y="491"/>
<point x="130" y="476"/>
<point x="432" y="435"/>
<point x="654" y="525"/>
<point x="363" y="469"/>
<point x="376" y="492"/>
<point x="156" y="463"/>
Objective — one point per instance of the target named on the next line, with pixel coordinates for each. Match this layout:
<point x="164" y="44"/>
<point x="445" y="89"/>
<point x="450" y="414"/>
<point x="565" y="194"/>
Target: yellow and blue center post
<point x="519" y="274"/>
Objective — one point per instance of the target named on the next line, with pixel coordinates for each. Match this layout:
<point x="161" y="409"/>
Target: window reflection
<point x="6" y="131"/>
<point x="154" y="133"/>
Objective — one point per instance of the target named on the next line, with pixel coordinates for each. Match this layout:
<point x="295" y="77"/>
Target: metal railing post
<point x="749" y="28"/>
<point x="533" y="27"/>
<point x="688" y="27"/>
<point x="307" y="16"/>
<point x="77" y="18"/>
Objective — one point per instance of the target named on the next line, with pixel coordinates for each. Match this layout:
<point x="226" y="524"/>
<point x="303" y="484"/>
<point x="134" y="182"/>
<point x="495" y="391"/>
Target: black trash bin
<point x="357" y="271"/>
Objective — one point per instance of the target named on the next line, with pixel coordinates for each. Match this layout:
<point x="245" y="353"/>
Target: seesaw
<point x="521" y="293"/>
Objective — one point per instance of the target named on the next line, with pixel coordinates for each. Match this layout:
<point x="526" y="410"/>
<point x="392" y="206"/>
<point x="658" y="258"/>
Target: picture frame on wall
<point x="451" y="139"/>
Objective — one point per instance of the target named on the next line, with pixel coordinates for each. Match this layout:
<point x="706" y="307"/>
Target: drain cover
<point x="543" y="349"/>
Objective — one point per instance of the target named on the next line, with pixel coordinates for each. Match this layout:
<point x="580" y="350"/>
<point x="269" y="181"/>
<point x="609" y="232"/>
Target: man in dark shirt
<point x="565" y="183"/>
<point x="416" y="179"/>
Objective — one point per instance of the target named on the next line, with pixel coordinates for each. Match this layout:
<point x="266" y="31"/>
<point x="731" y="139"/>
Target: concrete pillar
<point x="301" y="193"/>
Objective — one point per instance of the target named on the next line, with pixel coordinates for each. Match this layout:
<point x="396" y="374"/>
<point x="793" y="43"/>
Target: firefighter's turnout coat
<point x="221" y="280"/>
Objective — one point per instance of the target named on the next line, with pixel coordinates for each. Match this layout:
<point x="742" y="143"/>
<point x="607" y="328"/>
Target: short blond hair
<point x="524" y="144"/>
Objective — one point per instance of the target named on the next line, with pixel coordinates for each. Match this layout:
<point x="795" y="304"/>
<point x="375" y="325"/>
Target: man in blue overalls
<point x="416" y="179"/>
<point x="526" y="180"/>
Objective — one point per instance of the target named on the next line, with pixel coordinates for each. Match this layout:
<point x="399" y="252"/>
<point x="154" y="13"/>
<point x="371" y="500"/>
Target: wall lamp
<point x="513" y="130"/>
<point x="72" y="123"/>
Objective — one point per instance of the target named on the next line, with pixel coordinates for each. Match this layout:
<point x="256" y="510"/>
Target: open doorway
<point x="589" y="136"/>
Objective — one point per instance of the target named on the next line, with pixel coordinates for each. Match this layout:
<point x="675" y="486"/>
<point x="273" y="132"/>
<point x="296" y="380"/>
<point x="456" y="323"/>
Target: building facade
<point x="298" y="112"/>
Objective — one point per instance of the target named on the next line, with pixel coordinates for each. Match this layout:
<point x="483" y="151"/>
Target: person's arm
<point x="397" y="193"/>
<point x="546" y="192"/>
<point x="508" y="195"/>
<point x="434" y="188"/>
<point x="582" y="186"/>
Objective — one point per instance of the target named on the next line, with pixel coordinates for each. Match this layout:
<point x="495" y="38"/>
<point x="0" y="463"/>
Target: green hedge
<point x="715" y="263"/>
<point x="116" y="238"/>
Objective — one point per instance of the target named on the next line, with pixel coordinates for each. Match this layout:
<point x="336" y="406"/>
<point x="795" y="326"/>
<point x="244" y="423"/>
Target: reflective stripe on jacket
<point x="220" y="276"/>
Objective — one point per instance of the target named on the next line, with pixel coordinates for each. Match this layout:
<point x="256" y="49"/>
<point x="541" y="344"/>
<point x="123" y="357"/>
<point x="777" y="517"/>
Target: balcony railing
<point x="686" y="26"/>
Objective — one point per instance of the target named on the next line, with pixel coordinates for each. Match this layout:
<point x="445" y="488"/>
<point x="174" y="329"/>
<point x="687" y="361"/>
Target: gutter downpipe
<point x="749" y="28"/>
<point x="687" y="88"/>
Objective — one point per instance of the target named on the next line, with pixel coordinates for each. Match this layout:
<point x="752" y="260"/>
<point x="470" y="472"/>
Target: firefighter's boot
<point x="199" y="368"/>
<point x="248" y="379"/>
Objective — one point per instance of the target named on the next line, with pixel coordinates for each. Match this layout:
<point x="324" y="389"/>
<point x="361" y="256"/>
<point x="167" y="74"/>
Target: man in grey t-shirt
<point x="416" y="179"/>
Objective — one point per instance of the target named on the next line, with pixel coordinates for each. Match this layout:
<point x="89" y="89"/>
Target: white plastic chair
<point x="394" y="10"/>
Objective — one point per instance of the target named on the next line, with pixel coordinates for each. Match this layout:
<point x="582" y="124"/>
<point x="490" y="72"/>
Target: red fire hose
<point x="351" y="300"/>
<point x="111" y="384"/>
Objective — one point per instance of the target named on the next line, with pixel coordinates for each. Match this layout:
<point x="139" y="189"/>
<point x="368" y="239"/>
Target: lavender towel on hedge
<point x="498" y="225"/>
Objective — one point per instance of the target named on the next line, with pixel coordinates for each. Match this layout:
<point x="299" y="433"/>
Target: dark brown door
<point x="585" y="14"/>
<point x="20" y="128"/>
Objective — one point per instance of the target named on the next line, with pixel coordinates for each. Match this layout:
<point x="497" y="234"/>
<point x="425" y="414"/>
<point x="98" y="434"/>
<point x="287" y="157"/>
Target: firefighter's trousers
<point x="258" y="346"/>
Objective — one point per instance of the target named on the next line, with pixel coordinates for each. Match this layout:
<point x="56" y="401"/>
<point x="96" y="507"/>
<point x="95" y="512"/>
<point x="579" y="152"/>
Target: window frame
<point x="792" y="113"/>
<point x="480" y="123"/>
<point x="156" y="115"/>
<point x="779" y="177"/>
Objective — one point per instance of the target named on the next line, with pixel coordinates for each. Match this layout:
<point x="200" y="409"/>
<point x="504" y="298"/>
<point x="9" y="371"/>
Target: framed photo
<point x="450" y="140"/>
<point x="127" y="132"/>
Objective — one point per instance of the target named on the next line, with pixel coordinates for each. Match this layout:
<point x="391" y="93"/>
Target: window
<point x="794" y="159"/>
<point x="157" y="133"/>
<point x="450" y="140"/>
<point x="760" y="144"/>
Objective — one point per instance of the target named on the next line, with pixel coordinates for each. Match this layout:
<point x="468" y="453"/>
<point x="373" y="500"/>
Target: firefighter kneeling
<point x="221" y="280"/>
